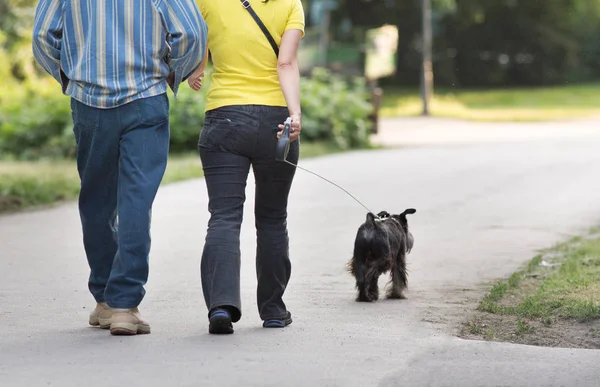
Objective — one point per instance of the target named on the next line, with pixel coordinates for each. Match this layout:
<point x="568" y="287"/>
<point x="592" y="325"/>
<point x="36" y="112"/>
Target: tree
<point x="16" y="21"/>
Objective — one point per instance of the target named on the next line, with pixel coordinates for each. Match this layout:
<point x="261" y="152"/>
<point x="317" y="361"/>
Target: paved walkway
<point x="484" y="208"/>
<point x="417" y="131"/>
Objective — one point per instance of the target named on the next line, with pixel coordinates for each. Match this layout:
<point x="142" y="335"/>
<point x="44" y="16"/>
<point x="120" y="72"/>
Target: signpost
<point x="381" y="49"/>
<point x="321" y="15"/>
<point x="427" y="68"/>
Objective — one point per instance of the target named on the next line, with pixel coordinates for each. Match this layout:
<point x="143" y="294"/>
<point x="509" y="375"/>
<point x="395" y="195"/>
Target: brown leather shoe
<point x="101" y="316"/>
<point x="128" y="322"/>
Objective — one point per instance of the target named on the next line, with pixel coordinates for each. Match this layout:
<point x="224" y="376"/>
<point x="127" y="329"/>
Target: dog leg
<point x="372" y="292"/>
<point x="357" y="269"/>
<point x="362" y="294"/>
<point x="368" y="290"/>
<point x="399" y="280"/>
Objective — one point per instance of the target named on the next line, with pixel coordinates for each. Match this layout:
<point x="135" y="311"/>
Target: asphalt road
<point x="485" y="205"/>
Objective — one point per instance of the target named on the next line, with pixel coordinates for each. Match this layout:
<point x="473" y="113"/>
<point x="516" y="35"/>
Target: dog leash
<point x="281" y="153"/>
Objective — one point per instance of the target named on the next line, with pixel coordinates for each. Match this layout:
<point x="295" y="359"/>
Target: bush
<point x="187" y="116"/>
<point x="335" y="110"/>
<point x="36" y="123"/>
<point x="4" y="64"/>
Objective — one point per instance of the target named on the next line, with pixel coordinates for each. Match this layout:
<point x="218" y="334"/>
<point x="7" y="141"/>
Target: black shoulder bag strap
<point x="264" y="29"/>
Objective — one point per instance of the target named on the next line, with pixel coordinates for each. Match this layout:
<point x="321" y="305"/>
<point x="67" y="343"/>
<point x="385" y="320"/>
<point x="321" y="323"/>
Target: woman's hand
<point x="295" y="128"/>
<point x="195" y="80"/>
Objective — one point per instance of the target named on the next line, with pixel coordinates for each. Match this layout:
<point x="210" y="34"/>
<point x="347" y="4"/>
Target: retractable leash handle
<point x="283" y="144"/>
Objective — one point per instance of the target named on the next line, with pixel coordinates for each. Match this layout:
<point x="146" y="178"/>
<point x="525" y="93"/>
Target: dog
<point x="381" y="245"/>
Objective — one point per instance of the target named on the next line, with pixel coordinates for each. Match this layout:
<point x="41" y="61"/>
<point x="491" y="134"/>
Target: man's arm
<point x="47" y="38"/>
<point x="187" y="37"/>
<point x="202" y="66"/>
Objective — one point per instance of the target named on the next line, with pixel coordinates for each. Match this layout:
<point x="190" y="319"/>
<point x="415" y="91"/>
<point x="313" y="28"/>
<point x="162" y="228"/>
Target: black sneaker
<point x="278" y="323"/>
<point x="220" y="322"/>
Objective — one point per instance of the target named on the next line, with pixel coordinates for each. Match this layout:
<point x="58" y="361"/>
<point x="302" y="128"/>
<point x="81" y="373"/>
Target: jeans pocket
<point x="226" y="129"/>
<point x="153" y="110"/>
<point x="86" y="119"/>
<point x="218" y="133"/>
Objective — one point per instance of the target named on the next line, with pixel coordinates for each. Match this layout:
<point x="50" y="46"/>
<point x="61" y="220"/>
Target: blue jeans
<point x="121" y="159"/>
<point x="233" y="139"/>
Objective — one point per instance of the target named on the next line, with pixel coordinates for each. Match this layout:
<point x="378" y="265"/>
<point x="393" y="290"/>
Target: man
<point x="115" y="59"/>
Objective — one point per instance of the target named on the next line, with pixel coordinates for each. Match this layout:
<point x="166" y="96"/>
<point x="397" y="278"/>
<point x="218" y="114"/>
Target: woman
<point x="253" y="91"/>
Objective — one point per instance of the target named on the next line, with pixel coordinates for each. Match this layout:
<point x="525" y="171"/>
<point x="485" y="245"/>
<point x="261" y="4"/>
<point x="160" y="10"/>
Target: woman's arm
<point x="289" y="77"/>
<point x="187" y="38"/>
<point x="287" y="69"/>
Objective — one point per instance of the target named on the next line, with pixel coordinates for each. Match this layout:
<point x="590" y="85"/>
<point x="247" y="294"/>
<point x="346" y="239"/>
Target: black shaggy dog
<point x="381" y="245"/>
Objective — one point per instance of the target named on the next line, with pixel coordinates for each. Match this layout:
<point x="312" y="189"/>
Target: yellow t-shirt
<point x="245" y="66"/>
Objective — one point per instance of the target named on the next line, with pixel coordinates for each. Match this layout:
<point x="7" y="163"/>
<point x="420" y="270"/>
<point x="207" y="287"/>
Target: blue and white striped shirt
<point x="106" y="53"/>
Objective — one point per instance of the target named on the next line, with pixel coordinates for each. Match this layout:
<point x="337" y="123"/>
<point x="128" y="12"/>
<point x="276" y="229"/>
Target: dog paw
<point x="366" y="297"/>
<point x="396" y="296"/>
<point x="374" y="297"/>
<point x="363" y="300"/>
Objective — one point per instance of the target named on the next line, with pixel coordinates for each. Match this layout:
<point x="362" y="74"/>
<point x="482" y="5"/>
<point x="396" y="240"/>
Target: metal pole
<point x="324" y="41"/>
<point x="324" y="33"/>
<point x="427" y="68"/>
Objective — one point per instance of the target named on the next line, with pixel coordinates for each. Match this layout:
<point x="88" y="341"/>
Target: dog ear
<point x="370" y="217"/>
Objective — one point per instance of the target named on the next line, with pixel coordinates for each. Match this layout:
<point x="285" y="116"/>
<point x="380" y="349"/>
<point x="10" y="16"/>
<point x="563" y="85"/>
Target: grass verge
<point x="25" y="185"/>
<point x="516" y="104"/>
<point x="554" y="301"/>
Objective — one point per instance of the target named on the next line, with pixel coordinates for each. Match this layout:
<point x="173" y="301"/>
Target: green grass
<point x="516" y="104"/>
<point x="569" y="288"/>
<point x="30" y="184"/>
<point x="523" y="328"/>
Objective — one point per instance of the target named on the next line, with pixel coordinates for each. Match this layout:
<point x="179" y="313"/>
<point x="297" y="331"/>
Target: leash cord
<point x="331" y="182"/>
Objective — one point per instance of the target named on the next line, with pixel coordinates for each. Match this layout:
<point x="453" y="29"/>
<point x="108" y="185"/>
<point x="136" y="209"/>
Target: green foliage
<point x="537" y="43"/>
<point x="334" y="109"/>
<point x="487" y="43"/>
<point x="16" y="21"/>
<point x="568" y="288"/>
<point x="36" y="123"/>
<point x="26" y="191"/>
<point x="514" y="104"/>
<point x="187" y="115"/>
<point x="4" y="64"/>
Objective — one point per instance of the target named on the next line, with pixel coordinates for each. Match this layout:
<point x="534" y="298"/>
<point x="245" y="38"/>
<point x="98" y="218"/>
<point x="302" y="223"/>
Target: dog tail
<point x="408" y="211"/>
<point x="402" y="216"/>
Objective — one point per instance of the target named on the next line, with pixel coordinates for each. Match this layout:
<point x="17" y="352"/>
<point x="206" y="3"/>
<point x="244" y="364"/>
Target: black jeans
<point x="233" y="139"/>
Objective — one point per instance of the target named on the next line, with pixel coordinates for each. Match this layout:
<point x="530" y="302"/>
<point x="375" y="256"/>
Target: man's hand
<point x="295" y="128"/>
<point x="65" y="81"/>
<point x="195" y="80"/>
<point x="171" y="80"/>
